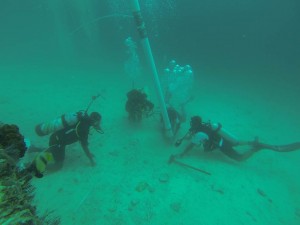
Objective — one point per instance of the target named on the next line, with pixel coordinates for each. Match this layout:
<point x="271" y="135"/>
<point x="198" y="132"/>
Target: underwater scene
<point x="163" y="112"/>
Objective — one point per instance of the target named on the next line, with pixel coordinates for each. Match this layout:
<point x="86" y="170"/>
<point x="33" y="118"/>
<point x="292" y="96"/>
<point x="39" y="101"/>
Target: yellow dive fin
<point x="41" y="160"/>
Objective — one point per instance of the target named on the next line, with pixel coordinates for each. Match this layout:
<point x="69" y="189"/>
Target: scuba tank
<point x="224" y="133"/>
<point x="65" y="120"/>
<point x="59" y="123"/>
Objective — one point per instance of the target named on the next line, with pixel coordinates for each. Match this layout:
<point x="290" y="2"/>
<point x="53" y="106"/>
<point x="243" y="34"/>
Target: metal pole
<point x="135" y="6"/>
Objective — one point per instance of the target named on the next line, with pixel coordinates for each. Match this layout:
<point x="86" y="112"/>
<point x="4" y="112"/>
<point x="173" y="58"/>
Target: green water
<point x="56" y="54"/>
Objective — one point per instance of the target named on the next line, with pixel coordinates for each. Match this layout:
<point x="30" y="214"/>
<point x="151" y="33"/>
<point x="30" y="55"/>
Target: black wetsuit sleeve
<point x="83" y="138"/>
<point x="83" y="132"/>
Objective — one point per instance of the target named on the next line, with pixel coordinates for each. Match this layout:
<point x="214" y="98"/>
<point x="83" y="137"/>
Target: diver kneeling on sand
<point x="213" y="136"/>
<point x="66" y="130"/>
<point x="138" y="106"/>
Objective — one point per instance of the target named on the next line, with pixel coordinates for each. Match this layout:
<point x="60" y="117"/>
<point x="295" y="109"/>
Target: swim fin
<point x="278" y="148"/>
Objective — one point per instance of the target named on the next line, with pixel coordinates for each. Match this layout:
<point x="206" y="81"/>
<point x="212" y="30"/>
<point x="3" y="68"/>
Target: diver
<point x="176" y="119"/>
<point x="138" y="106"/>
<point x="69" y="134"/>
<point x="213" y="136"/>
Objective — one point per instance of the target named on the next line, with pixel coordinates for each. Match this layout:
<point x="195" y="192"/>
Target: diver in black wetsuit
<point x="66" y="136"/>
<point x="78" y="132"/>
<point x="176" y="119"/>
<point x="138" y="106"/>
<point x="212" y="136"/>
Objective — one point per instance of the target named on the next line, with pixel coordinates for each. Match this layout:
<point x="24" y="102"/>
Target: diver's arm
<point x="83" y="131"/>
<point x="88" y="153"/>
<point x="187" y="149"/>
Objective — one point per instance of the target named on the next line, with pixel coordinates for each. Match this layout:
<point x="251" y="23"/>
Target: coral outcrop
<point x="16" y="192"/>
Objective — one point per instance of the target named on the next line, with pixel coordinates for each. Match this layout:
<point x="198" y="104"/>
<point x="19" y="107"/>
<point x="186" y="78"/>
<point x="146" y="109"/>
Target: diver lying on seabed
<point x="212" y="136"/>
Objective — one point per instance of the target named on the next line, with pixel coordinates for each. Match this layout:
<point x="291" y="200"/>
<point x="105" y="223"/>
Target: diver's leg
<point x="229" y="151"/>
<point x="53" y="140"/>
<point x="279" y="148"/>
<point x="58" y="152"/>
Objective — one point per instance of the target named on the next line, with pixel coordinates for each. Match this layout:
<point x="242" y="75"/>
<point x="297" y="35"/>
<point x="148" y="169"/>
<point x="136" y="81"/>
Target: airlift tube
<point x="146" y="46"/>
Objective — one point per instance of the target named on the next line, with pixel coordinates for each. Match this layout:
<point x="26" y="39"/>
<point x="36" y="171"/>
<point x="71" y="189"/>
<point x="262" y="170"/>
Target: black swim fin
<point x="279" y="148"/>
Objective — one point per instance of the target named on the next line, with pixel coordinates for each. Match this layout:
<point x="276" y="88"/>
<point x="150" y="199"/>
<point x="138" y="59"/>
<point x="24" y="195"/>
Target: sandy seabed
<point x="132" y="182"/>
